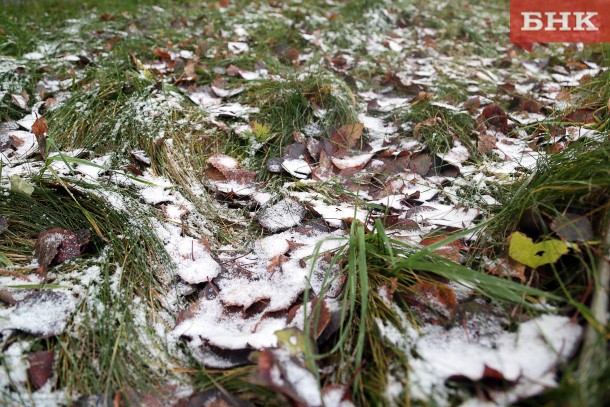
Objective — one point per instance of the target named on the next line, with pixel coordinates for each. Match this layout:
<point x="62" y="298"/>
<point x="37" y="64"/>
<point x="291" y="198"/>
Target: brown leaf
<point x="276" y="261"/>
<point x="225" y="168"/>
<point x="420" y="164"/>
<point x="435" y="301"/>
<point x="6" y="297"/>
<point x="318" y="326"/>
<point x="494" y="115"/>
<point x="41" y="368"/>
<point x="347" y="136"/>
<point x="450" y="251"/>
<point x="39" y="127"/>
<point x="486" y="143"/>
<point x="161" y="53"/>
<point x="58" y="245"/>
<point x="473" y="103"/>
<point x="431" y="122"/>
<point x="508" y="268"/>
<point x="573" y="227"/>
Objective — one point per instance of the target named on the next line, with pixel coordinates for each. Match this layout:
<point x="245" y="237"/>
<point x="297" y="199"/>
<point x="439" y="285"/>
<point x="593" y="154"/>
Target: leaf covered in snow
<point x="42" y="313"/>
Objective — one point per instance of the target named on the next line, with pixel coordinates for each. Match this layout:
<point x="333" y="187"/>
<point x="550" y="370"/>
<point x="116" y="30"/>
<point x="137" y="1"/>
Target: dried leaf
<point x="573" y="227"/>
<point x="486" y="143"/>
<point x="436" y="301"/>
<point x="431" y="122"/>
<point x="39" y="127"/>
<point x="6" y="297"/>
<point x="420" y="164"/>
<point x="496" y="117"/>
<point x="450" y="251"/>
<point x="41" y="368"/>
<point x="225" y="168"/>
<point x="347" y="136"/>
<point x="524" y="250"/>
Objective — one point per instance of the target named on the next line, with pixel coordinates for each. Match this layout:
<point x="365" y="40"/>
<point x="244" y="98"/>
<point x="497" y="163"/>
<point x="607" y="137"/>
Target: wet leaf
<point x="573" y="227"/>
<point x="58" y="245"/>
<point x="524" y="250"/>
<point x="20" y="185"/>
<point x="41" y="368"/>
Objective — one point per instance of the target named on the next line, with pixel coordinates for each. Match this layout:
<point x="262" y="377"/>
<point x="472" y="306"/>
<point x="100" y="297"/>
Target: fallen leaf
<point x="54" y="246"/>
<point x="450" y="251"/>
<point x="20" y="185"/>
<point x="508" y="268"/>
<point x="225" y="168"/>
<point x="347" y="136"/>
<point x="42" y="313"/>
<point x="435" y="301"/>
<point x="573" y="227"/>
<point x="283" y="369"/>
<point x="261" y="131"/>
<point x="524" y="250"/>
<point x="496" y="117"/>
<point x="6" y="297"/>
<point x="39" y="127"/>
<point x="420" y="164"/>
<point x="486" y="143"/>
<point x="283" y="215"/>
<point x="41" y="368"/>
<point x="431" y="122"/>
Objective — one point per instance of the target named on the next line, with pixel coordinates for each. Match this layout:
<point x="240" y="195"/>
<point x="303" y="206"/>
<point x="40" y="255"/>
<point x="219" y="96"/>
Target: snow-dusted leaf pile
<point x="432" y="128"/>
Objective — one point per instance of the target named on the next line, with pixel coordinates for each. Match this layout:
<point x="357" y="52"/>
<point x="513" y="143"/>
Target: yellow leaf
<point x="525" y="251"/>
<point x="261" y="132"/>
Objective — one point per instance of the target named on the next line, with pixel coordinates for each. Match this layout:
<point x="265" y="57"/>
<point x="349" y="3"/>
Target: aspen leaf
<point x="524" y="250"/>
<point x="18" y="184"/>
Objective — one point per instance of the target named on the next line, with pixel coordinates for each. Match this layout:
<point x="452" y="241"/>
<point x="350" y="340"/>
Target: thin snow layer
<point x="42" y="313"/>
<point x="194" y="263"/>
<point x="528" y="357"/>
<point x="334" y="215"/>
<point x="252" y="296"/>
<point x="283" y="215"/>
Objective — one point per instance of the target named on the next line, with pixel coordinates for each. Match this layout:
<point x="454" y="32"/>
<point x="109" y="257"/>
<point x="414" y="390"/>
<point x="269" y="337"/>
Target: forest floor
<point x="311" y="203"/>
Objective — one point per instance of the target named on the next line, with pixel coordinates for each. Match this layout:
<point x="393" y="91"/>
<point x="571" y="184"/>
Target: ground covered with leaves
<point x="304" y="203"/>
